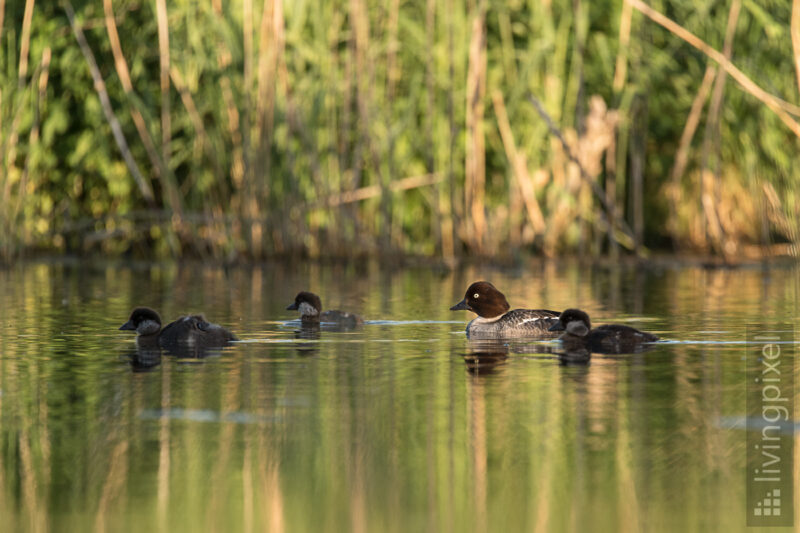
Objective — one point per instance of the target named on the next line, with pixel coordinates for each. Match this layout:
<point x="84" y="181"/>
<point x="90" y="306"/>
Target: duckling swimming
<point x="192" y="331"/>
<point x="608" y="339"/>
<point x="310" y="307"/>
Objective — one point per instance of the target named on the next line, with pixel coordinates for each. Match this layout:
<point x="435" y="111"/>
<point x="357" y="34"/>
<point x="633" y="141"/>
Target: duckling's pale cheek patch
<point x="307" y="310"/>
<point x="148" y="327"/>
<point x="577" y="328"/>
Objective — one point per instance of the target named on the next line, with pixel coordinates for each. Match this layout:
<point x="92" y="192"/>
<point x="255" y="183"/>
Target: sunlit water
<point x="402" y="425"/>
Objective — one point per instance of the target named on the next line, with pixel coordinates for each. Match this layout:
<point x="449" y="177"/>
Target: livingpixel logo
<point x="770" y="426"/>
<point x="770" y="505"/>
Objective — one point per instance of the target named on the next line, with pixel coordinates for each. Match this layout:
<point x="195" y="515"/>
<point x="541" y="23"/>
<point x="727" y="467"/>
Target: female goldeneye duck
<point x="494" y="318"/>
<point x="192" y="330"/>
<point x="310" y="307"/>
<point x="609" y="338"/>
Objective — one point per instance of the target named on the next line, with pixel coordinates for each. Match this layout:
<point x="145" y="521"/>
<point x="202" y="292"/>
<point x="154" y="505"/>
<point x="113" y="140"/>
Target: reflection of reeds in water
<point x="456" y="451"/>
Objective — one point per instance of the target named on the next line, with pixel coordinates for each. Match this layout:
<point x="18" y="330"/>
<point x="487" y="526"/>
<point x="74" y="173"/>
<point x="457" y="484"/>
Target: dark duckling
<point x="608" y="339"/>
<point x="188" y="331"/>
<point x="310" y="307"/>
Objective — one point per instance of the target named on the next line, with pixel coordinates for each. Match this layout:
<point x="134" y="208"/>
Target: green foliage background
<point x="340" y="96"/>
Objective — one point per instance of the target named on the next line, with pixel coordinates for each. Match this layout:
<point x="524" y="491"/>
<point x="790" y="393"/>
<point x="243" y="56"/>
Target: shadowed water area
<point x="401" y="425"/>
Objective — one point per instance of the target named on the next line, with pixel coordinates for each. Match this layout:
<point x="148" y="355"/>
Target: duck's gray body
<point x="515" y="323"/>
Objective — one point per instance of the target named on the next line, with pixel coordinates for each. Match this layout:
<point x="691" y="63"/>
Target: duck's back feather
<point x="514" y="323"/>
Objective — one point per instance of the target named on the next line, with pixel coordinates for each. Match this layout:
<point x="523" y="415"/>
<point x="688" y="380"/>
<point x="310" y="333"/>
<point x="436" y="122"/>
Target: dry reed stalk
<point x="392" y="235"/>
<point x="575" y="82"/>
<point x="682" y="155"/>
<point x="598" y="137"/>
<point x="795" y="31"/>
<point x="2" y="18"/>
<point x="638" y="150"/>
<point x="361" y="87"/>
<point x="2" y="15"/>
<point x="625" y="237"/>
<point x="163" y="57"/>
<point x="240" y="124"/>
<point x="121" y="65"/>
<point x="237" y="160"/>
<point x="430" y="104"/>
<point x="778" y="106"/>
<point x="621" y="68"/>
<point x="708" y="204"/>
<point x="270" y="43"/>
<point x="713" y="138"/>
<point x="775" y="213"/>
<point x="10" y="145"/>
<point x="475" y="164"/>
<point x="611" y="192"/>
<point x="348" y="154"/>
<point x="265" y="94"/>
<point x="247" y="49"/>
<point x="519" y="166"/>
<point x="25" y="43"/>
<point x="448" y="238"/>
<point x="239" y="136"/>
<point x="8" y="152"/>
<point x="372" y="191"/>
<point x="242" y="153"/>
<point x="102" y="93"/>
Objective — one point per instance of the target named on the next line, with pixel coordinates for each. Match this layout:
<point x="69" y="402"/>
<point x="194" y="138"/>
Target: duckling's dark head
<point x="143" y="321"/>
<point x="308" y="303"/>
<point x="574" y="321"/>
<point x="484" y="299"/>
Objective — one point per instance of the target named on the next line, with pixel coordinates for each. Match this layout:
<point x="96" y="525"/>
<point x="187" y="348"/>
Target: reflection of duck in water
<point x="144" y="359"/>
<point x="575" y="353"/>
<point x="189" y="335"/>
<point x="607" y="339"/>
<point x="484" y="356"/>
<point x="307" y="332"/>
<point x="310" y="307"/>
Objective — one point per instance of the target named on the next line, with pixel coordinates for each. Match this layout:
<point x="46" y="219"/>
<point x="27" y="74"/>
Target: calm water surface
<point x="400" y="426"/>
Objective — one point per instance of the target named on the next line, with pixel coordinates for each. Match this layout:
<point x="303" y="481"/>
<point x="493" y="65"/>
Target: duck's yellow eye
<point x="476" y="295"/>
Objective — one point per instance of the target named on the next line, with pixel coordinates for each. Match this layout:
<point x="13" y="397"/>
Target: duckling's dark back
<point x="342" y="318"/>
<point x="195" y="330"/>
<point x="616" y="338"/>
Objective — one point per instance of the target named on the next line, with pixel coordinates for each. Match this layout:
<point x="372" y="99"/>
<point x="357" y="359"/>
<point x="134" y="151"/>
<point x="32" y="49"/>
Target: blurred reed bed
<point x="258" y="129"/>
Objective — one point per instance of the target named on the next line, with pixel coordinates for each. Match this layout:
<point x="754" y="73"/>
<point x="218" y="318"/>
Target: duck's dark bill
<point x="127" y="326"/>
<point x="558" y="326"/>
<point x="292" y="307"/>
<point x="460" y="306"/>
